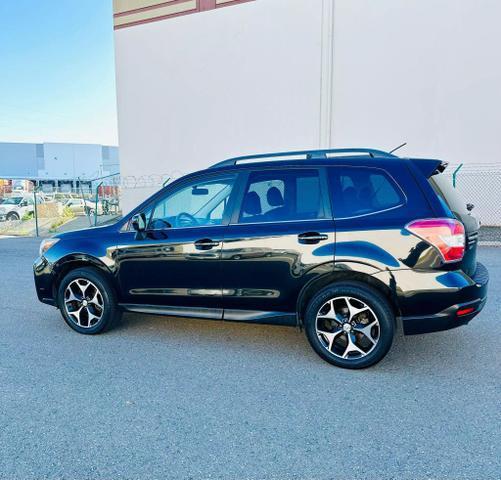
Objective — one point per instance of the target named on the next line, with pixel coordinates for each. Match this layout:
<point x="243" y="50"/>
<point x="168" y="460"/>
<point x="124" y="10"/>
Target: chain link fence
<point x="31" y="208"/>
<point x="480" y="185"/>
<point x="42" y="208"/>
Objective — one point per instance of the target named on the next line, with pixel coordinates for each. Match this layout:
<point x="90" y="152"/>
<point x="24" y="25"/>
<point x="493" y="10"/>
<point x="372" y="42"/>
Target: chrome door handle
<point x="310" y="238"/>
<point x="205" y="244"/>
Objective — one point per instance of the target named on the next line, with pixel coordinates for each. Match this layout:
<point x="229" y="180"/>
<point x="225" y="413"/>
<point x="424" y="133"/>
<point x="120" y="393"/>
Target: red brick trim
<point x="201" y="5"/>
<point x="167" y="3"/>
<point x="234" y="2"/>
<point x="206" y="5"/>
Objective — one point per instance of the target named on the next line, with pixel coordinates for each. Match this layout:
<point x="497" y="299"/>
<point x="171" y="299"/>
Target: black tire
<point x="12" y="216"/>
<point x="110" y="312"/>
<point x="371" y="298"/>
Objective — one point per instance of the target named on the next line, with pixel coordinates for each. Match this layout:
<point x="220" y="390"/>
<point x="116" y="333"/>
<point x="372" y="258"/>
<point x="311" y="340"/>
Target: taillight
<point x="465" y="311"/>
<point x="445" y="234"/>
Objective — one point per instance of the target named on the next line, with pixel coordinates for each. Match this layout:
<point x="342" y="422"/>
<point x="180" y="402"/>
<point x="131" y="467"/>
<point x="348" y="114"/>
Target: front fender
<point x="81" y="259"/>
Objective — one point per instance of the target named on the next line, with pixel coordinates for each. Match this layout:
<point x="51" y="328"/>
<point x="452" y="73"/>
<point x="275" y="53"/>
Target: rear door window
<point x="359" y="191"/>
<point x="282" y="196"/>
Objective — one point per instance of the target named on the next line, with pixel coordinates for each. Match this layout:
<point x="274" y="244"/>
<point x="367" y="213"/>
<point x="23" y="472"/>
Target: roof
<point x="313" y="158"/>
<point x="305" y="156"/>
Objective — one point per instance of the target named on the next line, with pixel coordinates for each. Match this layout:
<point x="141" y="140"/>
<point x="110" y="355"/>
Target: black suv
<point x="346" y="243"/>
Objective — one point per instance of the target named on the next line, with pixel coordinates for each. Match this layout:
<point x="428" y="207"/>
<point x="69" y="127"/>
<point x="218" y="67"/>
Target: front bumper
<point x="44" y="281"/>
<point x="472" y="298"/>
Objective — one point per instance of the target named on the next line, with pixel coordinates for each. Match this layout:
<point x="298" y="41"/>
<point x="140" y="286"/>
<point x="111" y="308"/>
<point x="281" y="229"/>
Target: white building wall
<point x="72" y="161"/>
<point x="196" y="89"/>
<point x="286" y="74"/>
<point x="57" y="160"/>
<point x="18" y="159"/>
<point x="426" y="72"/>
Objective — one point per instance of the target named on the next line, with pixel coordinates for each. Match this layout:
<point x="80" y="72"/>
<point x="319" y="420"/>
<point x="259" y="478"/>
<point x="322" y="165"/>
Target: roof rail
<point x="308" y="155"/>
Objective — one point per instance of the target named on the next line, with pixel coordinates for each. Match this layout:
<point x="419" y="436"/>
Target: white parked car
<point x="83" y="207"/>
<point x="15" y="207"/>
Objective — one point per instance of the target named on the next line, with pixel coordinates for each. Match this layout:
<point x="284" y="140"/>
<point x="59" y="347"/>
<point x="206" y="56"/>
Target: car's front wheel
<point x="13" y="216"/>
<point x="87" y="301"/>
<point x="350" y="325"/>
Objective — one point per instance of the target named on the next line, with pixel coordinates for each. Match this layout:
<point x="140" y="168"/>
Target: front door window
<point x="199" y="204"/>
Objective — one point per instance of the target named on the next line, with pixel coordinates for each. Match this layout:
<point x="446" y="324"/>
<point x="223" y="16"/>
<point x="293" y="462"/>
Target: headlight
<point x="46" y="244"/>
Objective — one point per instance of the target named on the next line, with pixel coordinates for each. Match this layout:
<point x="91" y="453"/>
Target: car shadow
<point x="212" y="331"/>
<point x="431" y="352"/>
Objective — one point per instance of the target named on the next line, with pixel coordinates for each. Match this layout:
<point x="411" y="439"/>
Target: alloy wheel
<point x="83" y="303"/>
<point x="347" y="328"/>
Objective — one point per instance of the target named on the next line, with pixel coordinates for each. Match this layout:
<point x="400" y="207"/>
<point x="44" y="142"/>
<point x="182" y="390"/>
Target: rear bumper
<point x="472" y="300"/>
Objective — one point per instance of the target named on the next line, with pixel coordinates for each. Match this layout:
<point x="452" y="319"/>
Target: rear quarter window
<point x="359" y="191"/>
<point x="442" y="185"/>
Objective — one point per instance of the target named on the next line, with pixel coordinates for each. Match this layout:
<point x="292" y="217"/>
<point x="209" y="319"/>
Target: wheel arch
<point x="72" y="262"/>
<point x="338" y="276"/>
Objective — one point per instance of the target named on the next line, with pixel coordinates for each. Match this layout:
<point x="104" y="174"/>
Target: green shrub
<point x="28" y="216"/>
<point x="53" y="228"/>
<point x="67" y="215"/>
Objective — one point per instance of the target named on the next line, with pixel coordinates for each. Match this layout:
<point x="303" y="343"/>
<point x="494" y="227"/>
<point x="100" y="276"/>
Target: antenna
<point x="400" y="146"/>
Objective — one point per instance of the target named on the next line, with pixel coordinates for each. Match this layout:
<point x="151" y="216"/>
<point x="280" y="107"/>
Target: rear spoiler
<point x="429" y="167"/>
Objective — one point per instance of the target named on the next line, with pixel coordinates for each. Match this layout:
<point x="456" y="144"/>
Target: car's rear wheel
<point x="87" y="301"/>
<point x="350" y="325"/>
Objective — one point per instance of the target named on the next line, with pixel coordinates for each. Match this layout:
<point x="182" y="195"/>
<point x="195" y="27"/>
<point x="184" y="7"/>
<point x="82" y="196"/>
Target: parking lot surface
<point x="172" y="398"/>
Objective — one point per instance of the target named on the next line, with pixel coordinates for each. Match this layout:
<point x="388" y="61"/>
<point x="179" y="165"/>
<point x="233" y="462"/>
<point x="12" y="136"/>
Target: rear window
<point x="359" y="191"/>
<point x="442" y="185"/>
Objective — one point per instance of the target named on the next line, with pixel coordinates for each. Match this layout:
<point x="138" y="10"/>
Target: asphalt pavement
<point x="172" y="398"/>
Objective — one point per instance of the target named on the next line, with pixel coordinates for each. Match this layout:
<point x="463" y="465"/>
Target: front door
<point x="176" y="263"/>
<point x="281" y="237"/>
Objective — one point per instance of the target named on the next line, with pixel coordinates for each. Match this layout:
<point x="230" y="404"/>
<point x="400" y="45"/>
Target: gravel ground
<point x="171" y="398"/>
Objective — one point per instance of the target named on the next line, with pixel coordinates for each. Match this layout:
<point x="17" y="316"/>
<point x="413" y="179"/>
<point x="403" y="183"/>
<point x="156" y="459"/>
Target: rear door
<point x="370" y="209"/>
<point x="281" y="235"/>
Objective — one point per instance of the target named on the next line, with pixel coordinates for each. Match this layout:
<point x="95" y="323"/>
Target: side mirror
<point x="138" y="222"/>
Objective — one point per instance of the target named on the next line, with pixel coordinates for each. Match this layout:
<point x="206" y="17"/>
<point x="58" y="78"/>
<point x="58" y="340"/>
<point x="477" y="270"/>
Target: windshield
<point x="11" y="200"/>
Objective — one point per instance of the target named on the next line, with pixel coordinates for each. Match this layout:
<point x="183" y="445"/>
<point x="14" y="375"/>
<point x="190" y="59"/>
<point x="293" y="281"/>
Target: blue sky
<point x="57" y="78"/>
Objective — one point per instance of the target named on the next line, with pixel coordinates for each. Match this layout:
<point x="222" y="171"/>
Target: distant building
<point x="64" y="166"/>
